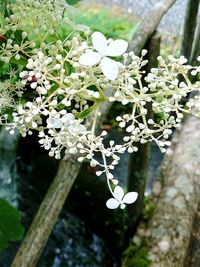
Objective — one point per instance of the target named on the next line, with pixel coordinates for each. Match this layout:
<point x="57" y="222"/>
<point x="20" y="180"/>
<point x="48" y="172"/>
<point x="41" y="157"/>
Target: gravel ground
<point x="171" y="23"/>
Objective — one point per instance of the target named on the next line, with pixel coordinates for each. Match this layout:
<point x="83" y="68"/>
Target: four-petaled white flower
<point x="121" y="199"/>
<point x="104" y="49"/>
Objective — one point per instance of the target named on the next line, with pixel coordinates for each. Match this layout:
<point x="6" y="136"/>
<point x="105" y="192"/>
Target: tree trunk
<point x="189" y="27"/>
<point x="149" y="24"/>
<point x="39" y="231"/>
<point x="36" y="237"/>
<point x="169" y="230"/>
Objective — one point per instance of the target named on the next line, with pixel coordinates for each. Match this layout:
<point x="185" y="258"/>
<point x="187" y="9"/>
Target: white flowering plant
<point x="55" y="76"/>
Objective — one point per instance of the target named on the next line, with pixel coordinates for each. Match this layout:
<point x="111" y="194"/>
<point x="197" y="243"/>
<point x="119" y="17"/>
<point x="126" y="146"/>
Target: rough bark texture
<point x="170" y="228"/>
<point x="148" y="26"/>
<point x="189" y="27"/>
<point x="46" y="217"/>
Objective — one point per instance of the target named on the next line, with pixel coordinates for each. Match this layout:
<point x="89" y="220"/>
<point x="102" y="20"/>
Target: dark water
<point x="8" y="174"/>
<point x="86" y="231"/>
<point x="72" y="242"/>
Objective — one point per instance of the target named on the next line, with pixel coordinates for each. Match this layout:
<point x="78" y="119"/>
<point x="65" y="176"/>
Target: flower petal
<point x="67" y="118"/>
<point x="116" y="48"/>
<point x="118" y="193"/>
<point x="123" y="206"/>
<point x="130" y="197"/>
<point x="112" y="203"/>
<point x="109" y="68"/>
<point x="90" y="58"/>
<point x="76" y="128"/>
<point x="99" y="42"/>
<point x="54" y="123"/>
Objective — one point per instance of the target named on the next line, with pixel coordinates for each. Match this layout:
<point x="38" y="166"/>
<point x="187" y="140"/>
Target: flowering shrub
<point x="58" y="74"/>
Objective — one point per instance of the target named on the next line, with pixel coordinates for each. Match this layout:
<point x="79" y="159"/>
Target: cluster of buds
<point x="63" y="77"/>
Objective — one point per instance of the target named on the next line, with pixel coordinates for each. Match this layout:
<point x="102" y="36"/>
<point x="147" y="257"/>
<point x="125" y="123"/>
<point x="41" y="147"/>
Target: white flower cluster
<point x="63" y="78"/>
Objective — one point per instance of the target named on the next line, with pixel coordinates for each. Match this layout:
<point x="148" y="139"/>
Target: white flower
<point x="120" y="199"/>
<point x="56" y="122"/>
<point x="113" y="49"/>
<point x="68" y="121"/>
<point x="77" y="128"/>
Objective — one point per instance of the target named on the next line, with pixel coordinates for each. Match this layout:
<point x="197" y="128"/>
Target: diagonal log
<point x="149" y="24"/>
<point x="39" y="231"/>
<point x="43" y="223"/>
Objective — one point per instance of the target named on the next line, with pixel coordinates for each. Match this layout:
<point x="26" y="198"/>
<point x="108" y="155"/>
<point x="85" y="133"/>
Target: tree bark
<point x="169" y="230"/>
<point x="36" y="237"/>
<point x="149" y="24"/>
<point x="44" y="221"/>
<point x="189" y="27"/>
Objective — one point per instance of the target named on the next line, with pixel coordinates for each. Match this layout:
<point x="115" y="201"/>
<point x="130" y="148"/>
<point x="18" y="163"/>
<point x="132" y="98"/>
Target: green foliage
<point x="85" y="113"/>
<point x="22" y="61"/>
<point x="4" y="7"/>
<point x="72" y="2"/>
<point x="148" y="208"/>
<point x="4" y="69"/>
<point x="103" y="20"/>
<point x="136" y="256"/>
<point x="116" y="109"/>
<point x="10" y="226"/>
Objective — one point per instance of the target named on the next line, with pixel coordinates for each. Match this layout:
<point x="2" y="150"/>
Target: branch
<point x="149" y="24"/>
<point x="43" y="223"/>
<point x="3" y="39"/>
<point x="47" y="214"/>
<point x="189" y="27"/>
<point x="40" y="229"/>
<point x="196" y="46"/>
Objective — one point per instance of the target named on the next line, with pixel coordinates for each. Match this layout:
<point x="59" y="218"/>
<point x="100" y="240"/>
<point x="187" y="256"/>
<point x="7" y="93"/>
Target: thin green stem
<point x="95" y="120"/>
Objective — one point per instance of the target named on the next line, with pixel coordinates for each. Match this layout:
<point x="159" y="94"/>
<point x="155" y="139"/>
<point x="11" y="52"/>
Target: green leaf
<point x="22" y="61"/>
<point x="10" y="226"/>
<point x="85" y="113"/>
<point x="5" y="7"/>
<point x="72" y="2"/>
